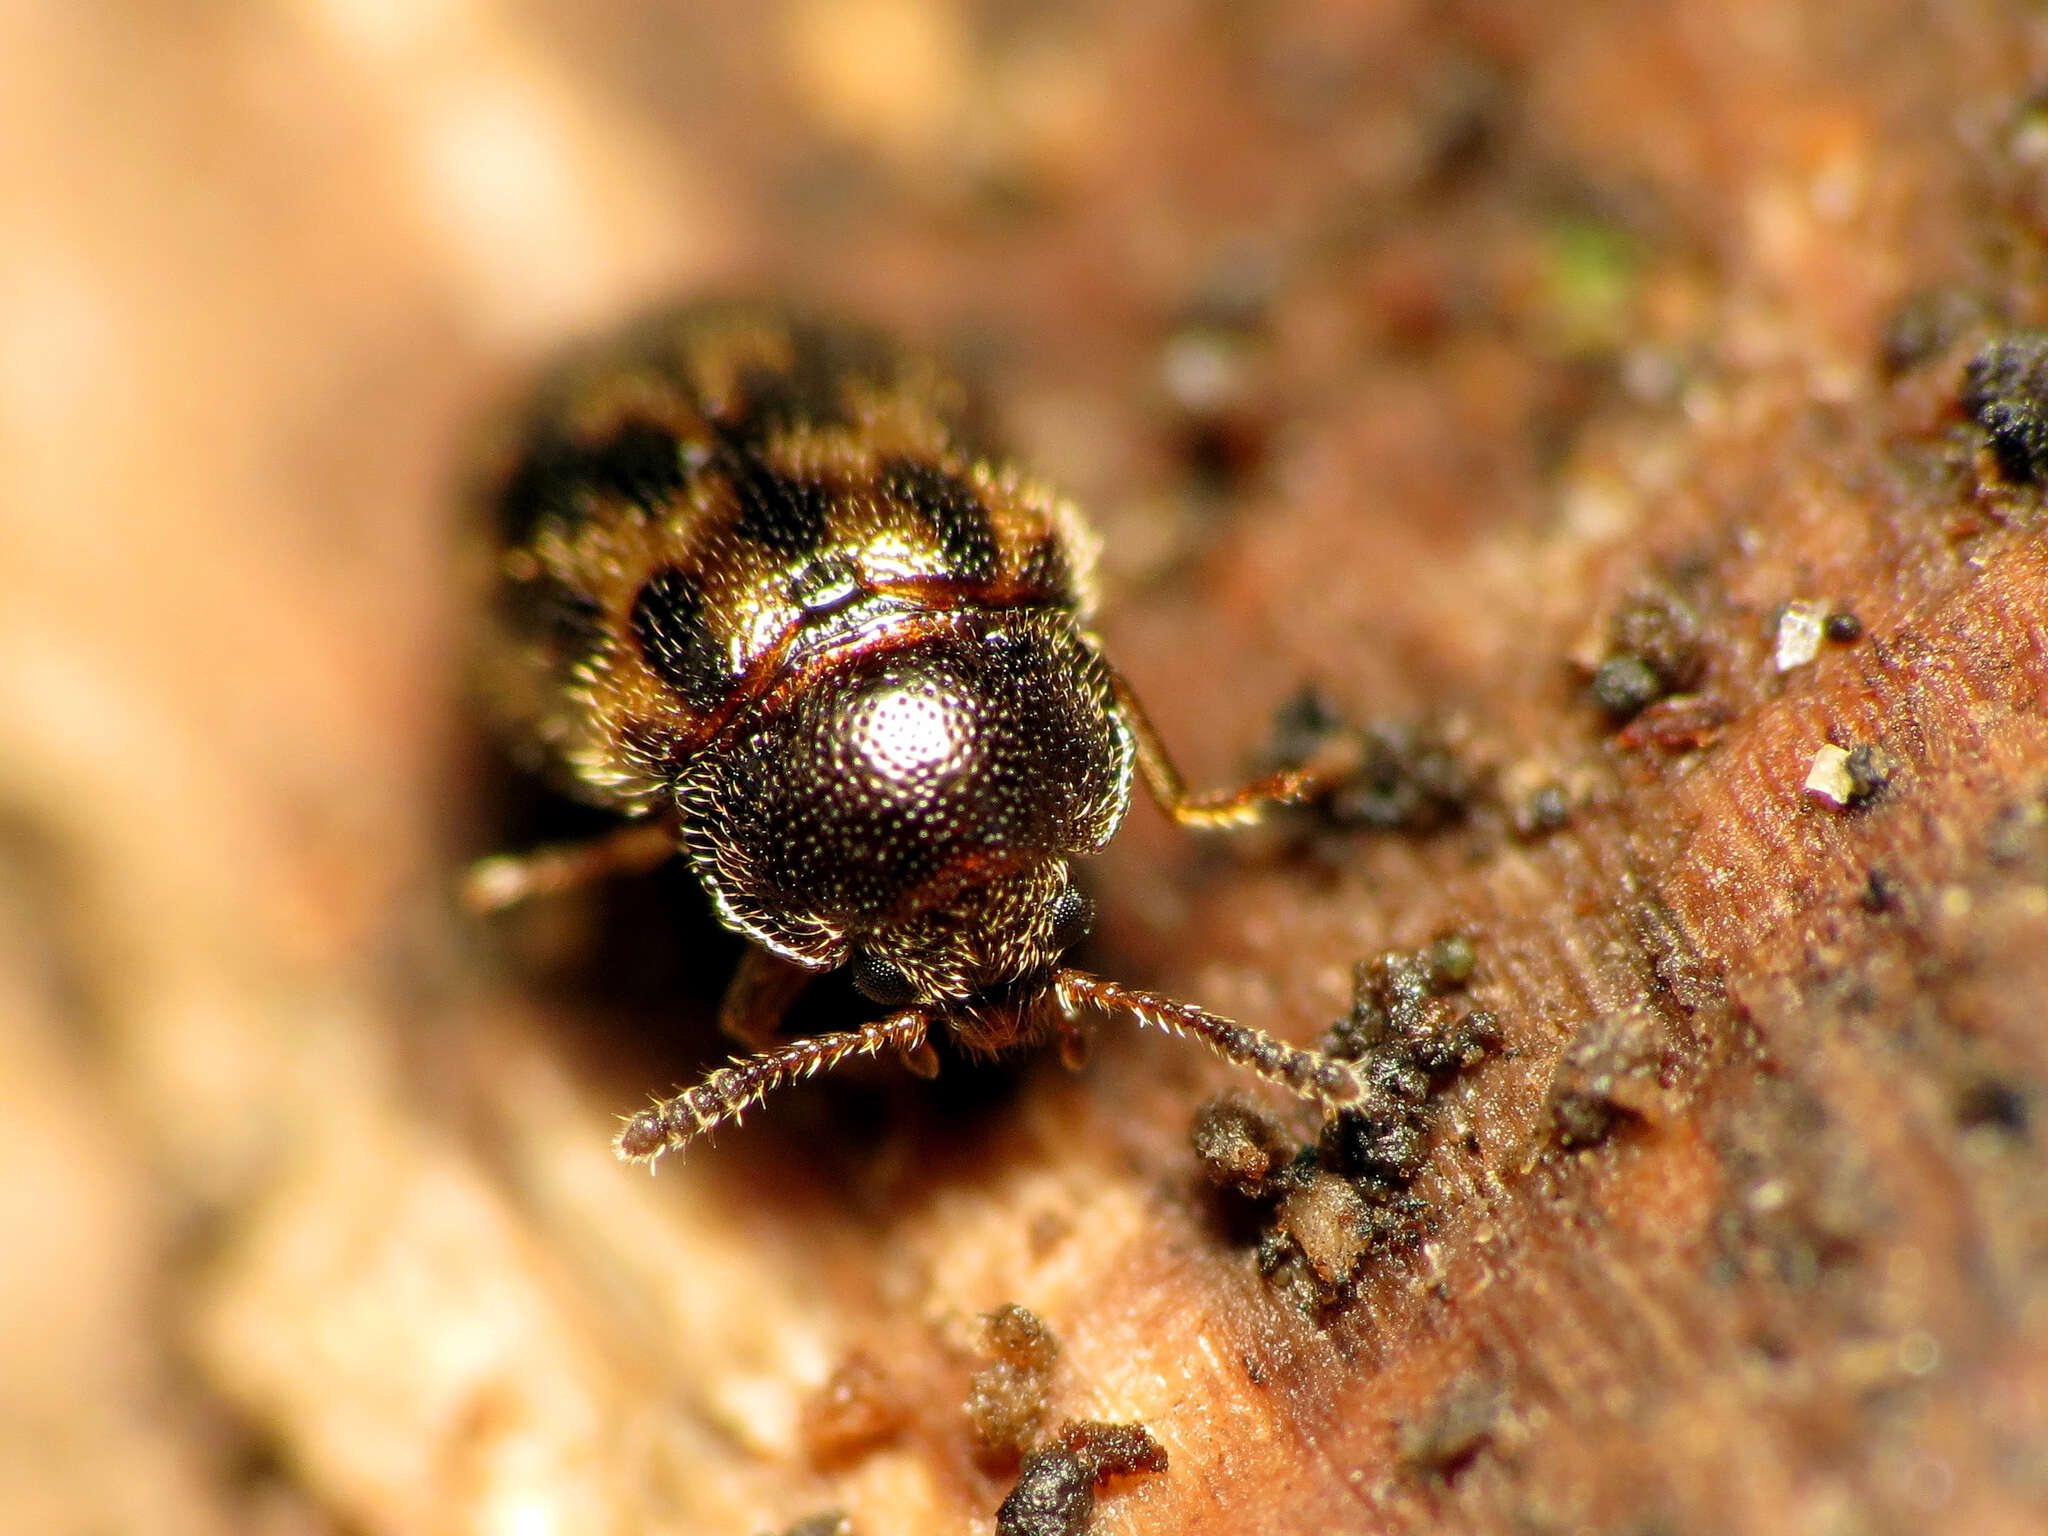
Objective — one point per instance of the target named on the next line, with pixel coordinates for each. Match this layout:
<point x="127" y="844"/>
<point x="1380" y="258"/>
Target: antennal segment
<point x="671" y="1124"/>
<point x="1307" y="1074"/>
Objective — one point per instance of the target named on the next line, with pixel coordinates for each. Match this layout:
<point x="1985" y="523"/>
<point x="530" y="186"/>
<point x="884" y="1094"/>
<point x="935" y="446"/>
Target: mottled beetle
<point x="761" y="589"/>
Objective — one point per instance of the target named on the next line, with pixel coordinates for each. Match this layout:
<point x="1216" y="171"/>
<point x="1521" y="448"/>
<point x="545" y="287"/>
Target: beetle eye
<point x="1072" y="916"/>
<point x="882" y="981"/>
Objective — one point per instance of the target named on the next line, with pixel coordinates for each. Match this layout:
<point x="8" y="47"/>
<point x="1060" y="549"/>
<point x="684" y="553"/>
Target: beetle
<point x="763" y="586"/>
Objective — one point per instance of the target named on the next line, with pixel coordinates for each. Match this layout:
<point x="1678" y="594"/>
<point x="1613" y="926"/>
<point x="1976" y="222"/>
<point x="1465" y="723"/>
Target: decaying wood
<point x="1500" y="344"/>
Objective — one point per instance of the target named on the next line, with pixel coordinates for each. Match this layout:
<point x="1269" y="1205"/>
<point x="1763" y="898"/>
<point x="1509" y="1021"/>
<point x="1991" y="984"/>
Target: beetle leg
<point x="758" y="995"/>
<point x="1308" y="1074"/>
<point x="1337" y="760"/>
<point x="671" y="1124"/>
<point x="506" y="879"/>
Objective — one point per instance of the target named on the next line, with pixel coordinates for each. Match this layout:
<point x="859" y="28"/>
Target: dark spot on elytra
<point x="1045" y="567"/>
<point x="640" y="462"/>
<point x="813" y="389"/>
<point x="953" y="510"/>
<point x="536" y="488"/>
<point x="668" y="621"/>
<point x="779" y="512"/>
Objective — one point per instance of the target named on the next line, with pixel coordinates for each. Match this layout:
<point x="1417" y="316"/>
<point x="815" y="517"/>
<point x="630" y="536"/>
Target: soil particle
<point x="1686" y="722"/>
<point x="831" y="1523"/>
<point x="1625" y="685"/>
<point x="2018" y="828"/>
<point x="1995" y="1103"/>
<point x="1846" y="777"/>
<point x="1056" y="1487"/>
<point x="1239" y="1148"/>
<point x="1547" y="808"/>
<point x="1654" y="650"/>
<point x="1318" y="1212"/>
<point x="1411" y="777"/>
<point x="1007" y="1401"/>
<point x="1880" y="892"/>
<point x="859" y="1409"/>
<point x="1610" y="1073"/>
<point x="2005" y="391"/>
<point x="1926" y="325"/>
<point x="1329" y="1224"/>
<point x="1456" y="1428"/>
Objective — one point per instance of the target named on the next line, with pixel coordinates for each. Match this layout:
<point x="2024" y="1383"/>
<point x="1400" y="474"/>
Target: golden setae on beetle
<point x="762" y="588"/>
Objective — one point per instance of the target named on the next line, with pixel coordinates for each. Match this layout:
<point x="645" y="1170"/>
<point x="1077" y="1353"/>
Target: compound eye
<point x="1072" y="916"/>
<point x="882" y="981"/>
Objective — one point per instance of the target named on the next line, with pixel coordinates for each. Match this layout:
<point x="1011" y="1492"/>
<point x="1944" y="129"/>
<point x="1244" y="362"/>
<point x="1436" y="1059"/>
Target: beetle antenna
<point x="668" y="1125"/>
<point x="1307" y="1074"/>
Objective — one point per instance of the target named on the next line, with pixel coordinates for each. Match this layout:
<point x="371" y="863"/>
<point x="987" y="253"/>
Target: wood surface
<point x="1414" y="351"/>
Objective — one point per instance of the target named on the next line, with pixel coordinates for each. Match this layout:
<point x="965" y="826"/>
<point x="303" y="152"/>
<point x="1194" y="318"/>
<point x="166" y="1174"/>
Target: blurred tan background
<point x="1388" y="344"/>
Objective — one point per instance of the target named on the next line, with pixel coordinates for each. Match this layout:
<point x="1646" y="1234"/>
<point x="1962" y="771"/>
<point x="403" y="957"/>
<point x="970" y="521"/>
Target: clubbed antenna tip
<point x="669" y="1125"/>
<point x="1307" y="1074"/>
